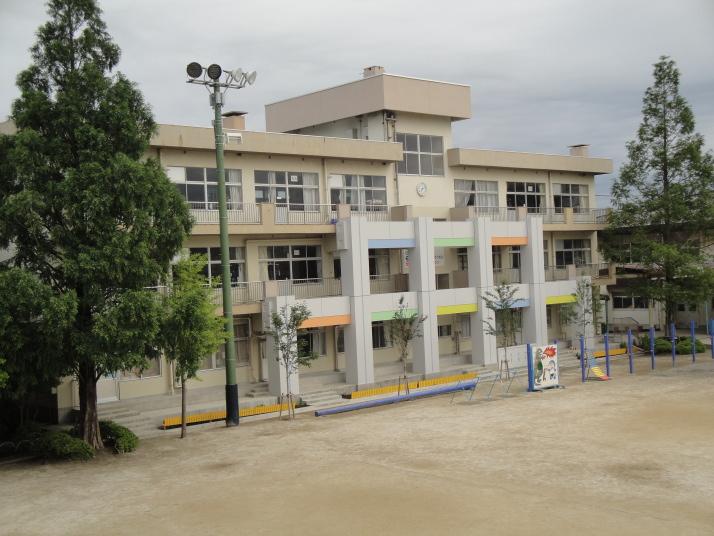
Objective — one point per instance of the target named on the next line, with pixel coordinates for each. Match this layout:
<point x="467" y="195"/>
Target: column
<point x="277" y="377"/>
<point x="483" y="346"/>
<point x="535" y="325"/>
<point x="422" y="280"/>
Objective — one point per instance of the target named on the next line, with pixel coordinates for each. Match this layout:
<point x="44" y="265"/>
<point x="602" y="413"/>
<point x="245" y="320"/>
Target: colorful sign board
<point x="545" y="367"/>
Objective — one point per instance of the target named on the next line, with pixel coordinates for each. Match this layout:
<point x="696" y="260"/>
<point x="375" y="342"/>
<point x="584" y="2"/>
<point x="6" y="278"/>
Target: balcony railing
<point x="206" y="213"/>
<point x="310" y="288"/>
<point x="310" y="214"/>
<point x="506" y="275"/>
<point x="248" y="292"/>
<point x="369" y="212"/>
<point x="556" y="273"/>
<point x="385" y="284"/>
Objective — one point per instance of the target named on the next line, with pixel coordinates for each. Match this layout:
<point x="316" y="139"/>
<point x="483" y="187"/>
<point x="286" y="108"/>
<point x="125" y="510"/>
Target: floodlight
<point x="250" y="77"/>
<point x="194" y="69"/>
<point x="237" y="74"/>
<point x="214" y="71"/>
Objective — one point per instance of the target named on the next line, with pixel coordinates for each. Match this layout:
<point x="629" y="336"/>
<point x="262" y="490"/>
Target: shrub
<point x="684" y="346"/>
<point x="62" y="446"/>
<point x="119" y="437"/>
<point x="664" y="346"/>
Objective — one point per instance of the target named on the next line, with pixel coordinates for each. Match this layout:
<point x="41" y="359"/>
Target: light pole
<point x="210" y="77"/>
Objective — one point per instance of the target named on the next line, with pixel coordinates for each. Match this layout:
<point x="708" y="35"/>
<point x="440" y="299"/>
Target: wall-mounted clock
<point x="421" y="189"/>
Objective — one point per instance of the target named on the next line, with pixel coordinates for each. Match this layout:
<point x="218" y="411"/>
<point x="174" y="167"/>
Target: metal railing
<point x="506" y="275"/>
<point x="497" y="213"/>
<point x="237" y="212"/>
<point x="248" y="292"/>
<point x="307" y="214"/>
<point x="371" y="212"/>
<point x="385" y="284"/>
<point x="310" y="288"/>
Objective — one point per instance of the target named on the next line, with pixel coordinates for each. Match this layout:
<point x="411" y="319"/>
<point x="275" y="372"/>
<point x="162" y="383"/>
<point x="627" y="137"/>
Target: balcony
<point x="556" y="273"/>
<point x="207" y="213"/>
<point x="506" y="275"/>
<point x="304" y="289"/>
<point x="388" y="283"/>
<point x="598" y="271"/>
<point x="551" y="216"/>
<point x="241" y="293"/>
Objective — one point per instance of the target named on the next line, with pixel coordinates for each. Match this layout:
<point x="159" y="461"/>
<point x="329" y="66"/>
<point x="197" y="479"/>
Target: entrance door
<point x="108" y="388"/>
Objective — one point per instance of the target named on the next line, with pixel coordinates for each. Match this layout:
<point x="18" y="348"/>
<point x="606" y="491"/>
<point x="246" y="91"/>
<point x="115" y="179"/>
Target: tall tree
<point x="190" y="328"/>
<point x="84" y="208"/>
<point x="404" y="327"/>
<point x="504" y="326"/>
<point x="663" y="200"/>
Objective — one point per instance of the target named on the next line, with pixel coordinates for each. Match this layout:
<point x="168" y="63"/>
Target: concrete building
<point x="357" y="195"/>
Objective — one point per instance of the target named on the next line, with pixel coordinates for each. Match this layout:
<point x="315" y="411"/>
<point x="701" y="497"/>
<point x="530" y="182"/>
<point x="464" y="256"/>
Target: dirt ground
<point x="631" y="456"/>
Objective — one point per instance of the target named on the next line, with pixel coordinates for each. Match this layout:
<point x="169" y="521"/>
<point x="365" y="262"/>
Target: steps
<point x="258" y="390"/>
<point x="135" y="421"/>
<point x="321" y="398"/>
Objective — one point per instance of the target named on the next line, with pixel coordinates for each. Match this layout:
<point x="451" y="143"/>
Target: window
<point x="526" y="194"/>
<point x="241" y="332"/>
<point x="545" y="254"/>
<point x="199" y="187"/>
<point x="462" y="258"/>
<point x="549" y="316"/>
<point x="313" y="341"/>
<point x="621" y="302"/>
<point x="681" y="307"/>
<point x="465" y="325"/>
<point x="378" y="262"/>
<point x="514" y="253"/>
<point x="290" y="262"/>
<point x="576" y="251"/>
<point x="340" y="337"/>
<point x="379" y="335"/>
<point x="361" y="192"/>
<point x="212" y="269"/>
<point x="423" y="155"/>
<point x="574" y="196"/>
<point x="337" y="267"/>
<point x="496" y="257"/>
<point x="152" y="370"/>
<point x="444" y="330"/>
<point x="480" y="194"/>
<point x="297" y="190"/>
<point x="442" y="281"/>
<point x="640" y="302"/>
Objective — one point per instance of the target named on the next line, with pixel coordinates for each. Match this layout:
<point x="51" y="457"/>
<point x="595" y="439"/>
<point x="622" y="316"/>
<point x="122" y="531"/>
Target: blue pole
<point x="711" y="336"/>
<point x="673" y="334"/>
<point x="582" y="358"/>
<point x="607" y="355"/>
<point x="529" y="359"/>
<point x="694" y="341"/>
<point x="629" y="349"/>
<point x="652" y="347"/>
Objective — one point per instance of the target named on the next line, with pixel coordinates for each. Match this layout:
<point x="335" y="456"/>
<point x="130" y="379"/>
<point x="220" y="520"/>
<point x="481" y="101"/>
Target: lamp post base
<point x="232" y="405"/>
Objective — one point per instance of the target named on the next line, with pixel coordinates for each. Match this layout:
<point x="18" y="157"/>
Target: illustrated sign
<point x="545" y="367"/>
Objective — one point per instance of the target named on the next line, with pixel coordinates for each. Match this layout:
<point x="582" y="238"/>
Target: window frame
<point x="419" y="154"/>
<point x="466" y="195"/>
<point x="514" y="191"/>
<point x="285" y="180"/>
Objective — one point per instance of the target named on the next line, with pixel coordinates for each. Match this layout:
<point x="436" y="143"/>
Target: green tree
<point x="83" y="207"/>
<point x="504" y="326"/>
<point x="190" y="328"/>
<point x="663" y="200"/>
<point x="33" y="324"/>
<point x="291" y="351"/>
<point x="404" y="327"/>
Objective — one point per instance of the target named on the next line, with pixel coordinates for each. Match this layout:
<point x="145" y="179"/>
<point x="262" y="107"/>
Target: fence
<point x="506" y="275"/>
<point x="311" y="214"/>
<point x="249" y="292"/>
<point x="384" y="284"/>
<point x="204" y="213"/>
<point x="310" y="288"/>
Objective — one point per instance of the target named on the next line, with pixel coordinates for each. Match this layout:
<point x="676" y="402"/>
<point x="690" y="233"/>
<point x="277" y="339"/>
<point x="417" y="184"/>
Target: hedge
<point x="119" y="437"/>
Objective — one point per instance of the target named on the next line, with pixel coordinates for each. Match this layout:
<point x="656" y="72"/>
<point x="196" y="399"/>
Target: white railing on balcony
<point x="244" y="292"/>
<point x="310" y="288"/>
<point x="497" y="213"/>
<point x="506" y="275"/>
<point x="384" y="284"/>
<point x="371" y="212"/>
<point x="206" y="213"/>
<point x="554" y="273"/>
<point x="310" y="214"/>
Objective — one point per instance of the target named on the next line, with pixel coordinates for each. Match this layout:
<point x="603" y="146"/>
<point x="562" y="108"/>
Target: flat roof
<point x="535" y="161"/>
<point x="367" y="95"/>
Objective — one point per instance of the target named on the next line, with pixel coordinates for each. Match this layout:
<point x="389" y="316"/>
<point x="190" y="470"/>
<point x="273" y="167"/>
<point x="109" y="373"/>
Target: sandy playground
<point x="631" y="456"/>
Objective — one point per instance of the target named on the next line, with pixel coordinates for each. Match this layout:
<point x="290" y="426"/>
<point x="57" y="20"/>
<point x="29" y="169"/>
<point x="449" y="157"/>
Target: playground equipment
<point x="589" y="365"/>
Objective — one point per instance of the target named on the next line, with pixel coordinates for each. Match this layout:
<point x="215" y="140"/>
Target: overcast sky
<point x="544" y="74"/>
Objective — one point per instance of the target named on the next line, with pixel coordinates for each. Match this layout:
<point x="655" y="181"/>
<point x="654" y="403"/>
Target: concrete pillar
<point x="535" y="325"/>
<point x="483" y="346"/>
<point x="353" y="247"/>
<point x="422" y="280"/>
<point x="277" y="377"/>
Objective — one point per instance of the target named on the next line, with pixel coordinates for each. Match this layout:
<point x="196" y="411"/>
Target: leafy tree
<point x="33" y="323"/>
<point x="190" y="328"/>
<point x="83" y="207"/>
<point x="584" y="310"/>
<point x="663" y="200"/>
<point x="404" y="327"/>
<point x="501" y="300"/>
<point x="291" y="351"/>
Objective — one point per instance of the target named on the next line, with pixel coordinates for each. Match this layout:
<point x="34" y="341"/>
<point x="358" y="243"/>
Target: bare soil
<point x="631" y="456"/>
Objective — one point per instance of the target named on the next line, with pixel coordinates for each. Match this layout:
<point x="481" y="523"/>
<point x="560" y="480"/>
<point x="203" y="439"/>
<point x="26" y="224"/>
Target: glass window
<point x="379" y="335"/>
<point x="296" y="262"/>
<point x="574" y="196"/>
<point x="545" y="254"/>
<point x="526" y="194"/>
<point x="361" y="192"/>
<point x="465" y="323"/>
<point x="462" y="258"/>
<point x="423" y="154"/>
<point x="340" y="336"/>
<point x="639" y="302"/>
<point x="471" y="193"/>
<point x="298" y="190"/>
<point x="621" y="302"/>
<point x="242" y="333"/>
<point x="212" y="270"/>
<point x="313" y="341"/>
<point x="444" y="330"/>
<point x="572" y="251"/>
<point x="378" y="262"/>
<point x="199" y="187"/>
<point x="152" y="370"/>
